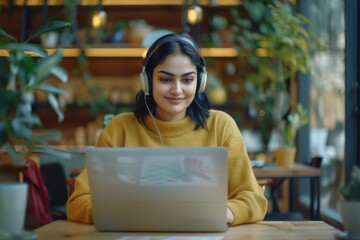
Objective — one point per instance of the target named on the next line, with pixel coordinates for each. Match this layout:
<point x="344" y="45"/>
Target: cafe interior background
<point x="103" y="53"/>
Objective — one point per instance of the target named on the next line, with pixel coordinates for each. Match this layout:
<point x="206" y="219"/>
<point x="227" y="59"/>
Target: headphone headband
<point x="144" y="82"/>
<point x="168" y="38"/>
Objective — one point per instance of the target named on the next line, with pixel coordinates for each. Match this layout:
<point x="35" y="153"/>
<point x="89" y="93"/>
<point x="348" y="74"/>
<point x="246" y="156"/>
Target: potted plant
<point x="350" y="206"/>
<point x="25" y="70"/>
<point x="274" y="45"/>
<point x="293" y="120"/>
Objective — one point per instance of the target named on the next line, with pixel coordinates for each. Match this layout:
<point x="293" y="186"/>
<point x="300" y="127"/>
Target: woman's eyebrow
<point x="171" y="74"/>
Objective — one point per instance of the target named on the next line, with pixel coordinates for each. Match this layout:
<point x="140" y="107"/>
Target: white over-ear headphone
<point x="144" y="81"/>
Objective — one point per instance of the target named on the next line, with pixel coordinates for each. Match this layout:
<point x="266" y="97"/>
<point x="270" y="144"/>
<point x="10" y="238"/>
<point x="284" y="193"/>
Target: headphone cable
<point x="152" y="117"/>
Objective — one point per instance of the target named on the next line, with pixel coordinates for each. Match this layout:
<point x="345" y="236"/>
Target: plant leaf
<point x="60" y="73"/>
<point x="55" y="152"/>
<point x="55" y="105"/>
<point x="47" y="88"/>
<point x="24" y="47"/>
<point x="44" y="137"/>
<point x="33" y="48"/>
<point x="45" y="66"/>
<point x="22" y="127"/>
<point x="52" y="26"/>
<point x="6" y="35"/>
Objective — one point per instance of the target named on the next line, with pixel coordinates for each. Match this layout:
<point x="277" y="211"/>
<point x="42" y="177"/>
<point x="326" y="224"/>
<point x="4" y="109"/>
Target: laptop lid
<point x="158" y="189"/>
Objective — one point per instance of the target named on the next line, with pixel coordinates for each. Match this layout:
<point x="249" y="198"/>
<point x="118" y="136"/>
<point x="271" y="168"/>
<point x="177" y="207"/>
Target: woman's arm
<point x="78" y="206"/>
<point x="246" y="199"/>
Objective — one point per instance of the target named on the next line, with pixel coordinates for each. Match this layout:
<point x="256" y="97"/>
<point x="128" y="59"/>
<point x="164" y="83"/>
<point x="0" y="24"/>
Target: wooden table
<point x="262" y="230"/>
<point x="295" y="172"/>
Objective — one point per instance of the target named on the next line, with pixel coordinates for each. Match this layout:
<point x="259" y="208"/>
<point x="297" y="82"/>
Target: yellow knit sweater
<point x="245" y="197"/>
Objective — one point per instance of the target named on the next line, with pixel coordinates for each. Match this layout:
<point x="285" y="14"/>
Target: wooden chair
<point x="71" y="185"/>
<point x="265" y="182"/>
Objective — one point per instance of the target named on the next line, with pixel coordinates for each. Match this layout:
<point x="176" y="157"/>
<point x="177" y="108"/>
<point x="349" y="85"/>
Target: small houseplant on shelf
<point x="350" y="206"/>
<point x="25" y="69"/>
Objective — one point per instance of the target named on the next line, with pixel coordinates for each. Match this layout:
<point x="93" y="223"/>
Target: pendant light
<point x="194" y="13"/>
<point x="98" y="19"/>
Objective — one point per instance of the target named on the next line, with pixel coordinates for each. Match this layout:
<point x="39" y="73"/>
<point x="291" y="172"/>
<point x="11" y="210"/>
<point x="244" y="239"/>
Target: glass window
<point x="327" y="101"/>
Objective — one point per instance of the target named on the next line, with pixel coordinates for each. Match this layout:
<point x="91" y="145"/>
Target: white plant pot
<point x="350" y="212"/>
<point x="13" y="200"/>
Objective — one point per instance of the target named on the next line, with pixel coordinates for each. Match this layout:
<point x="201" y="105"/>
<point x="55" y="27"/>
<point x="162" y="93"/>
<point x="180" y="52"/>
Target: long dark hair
<point x="198" y="110"/>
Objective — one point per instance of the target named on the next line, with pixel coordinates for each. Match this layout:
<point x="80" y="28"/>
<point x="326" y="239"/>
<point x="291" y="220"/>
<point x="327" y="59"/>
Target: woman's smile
<point x="175" y="101"/>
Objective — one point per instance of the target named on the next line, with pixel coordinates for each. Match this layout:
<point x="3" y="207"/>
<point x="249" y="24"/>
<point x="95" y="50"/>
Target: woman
<point x="172" y="109"/>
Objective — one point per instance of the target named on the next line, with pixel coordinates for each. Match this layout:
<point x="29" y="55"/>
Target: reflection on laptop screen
<point x="158" y="189"/>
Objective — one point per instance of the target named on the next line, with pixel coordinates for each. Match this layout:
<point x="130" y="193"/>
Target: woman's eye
<point x="188" y="80"/>
<point x="164" y="79"/>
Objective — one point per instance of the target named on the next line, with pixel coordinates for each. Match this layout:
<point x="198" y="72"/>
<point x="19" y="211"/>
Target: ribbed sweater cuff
<point x="240" y="211"/>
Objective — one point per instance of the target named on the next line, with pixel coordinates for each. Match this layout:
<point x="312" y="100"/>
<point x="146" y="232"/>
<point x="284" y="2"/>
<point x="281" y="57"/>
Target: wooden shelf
<point x="127" y="3"/>
<point x="132" y="52"/>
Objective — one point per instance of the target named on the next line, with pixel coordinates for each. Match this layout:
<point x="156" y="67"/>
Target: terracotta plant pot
<point x="285" y="156"/>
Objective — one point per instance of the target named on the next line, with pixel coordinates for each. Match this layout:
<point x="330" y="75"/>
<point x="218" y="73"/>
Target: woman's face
<point x="174" y="87"/>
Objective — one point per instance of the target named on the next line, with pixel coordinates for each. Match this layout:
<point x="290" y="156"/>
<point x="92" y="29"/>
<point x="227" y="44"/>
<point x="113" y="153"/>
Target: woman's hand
<point x="229" y="216"/>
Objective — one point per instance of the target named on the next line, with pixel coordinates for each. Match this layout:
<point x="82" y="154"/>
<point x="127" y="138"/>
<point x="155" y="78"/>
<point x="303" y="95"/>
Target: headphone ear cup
<point x="144" y="83"/>
<point x="203" y="82"/>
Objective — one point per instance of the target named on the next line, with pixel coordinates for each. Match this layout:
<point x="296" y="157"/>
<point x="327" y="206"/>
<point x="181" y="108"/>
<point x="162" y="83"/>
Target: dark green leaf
<point x="23" y="47"/>
<point x="6" y="35"/>
<point x="30" y="120"/>
<point x="55" y="105"/>
<point x="22" y="129"/>
<point x="45" y="66"/>
<point x="9" y="101"/>
<point x="47" y="88"/>
<point x="52" y="26"/>
<point x="54" y="151"/>
<point x="60" y="73"/>
<point x="24" y="109"/>
<point x="45" y="137"/>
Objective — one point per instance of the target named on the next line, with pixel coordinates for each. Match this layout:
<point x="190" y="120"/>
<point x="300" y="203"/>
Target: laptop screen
<point x="171" y="188"/>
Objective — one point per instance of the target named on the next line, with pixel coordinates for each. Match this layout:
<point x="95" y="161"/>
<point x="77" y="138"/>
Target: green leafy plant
<point x="274" y="44"/>
<point x="293" y="121"/>
<point x="351" y="191"/>
<point x="25" y="70"/>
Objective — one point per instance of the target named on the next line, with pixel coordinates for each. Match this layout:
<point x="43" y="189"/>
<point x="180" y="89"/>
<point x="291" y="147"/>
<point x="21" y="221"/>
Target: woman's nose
<point x="176" y="88"/>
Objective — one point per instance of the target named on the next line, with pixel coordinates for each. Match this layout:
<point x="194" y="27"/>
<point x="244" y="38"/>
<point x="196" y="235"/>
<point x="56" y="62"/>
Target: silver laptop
<point x="158" y="189"/>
